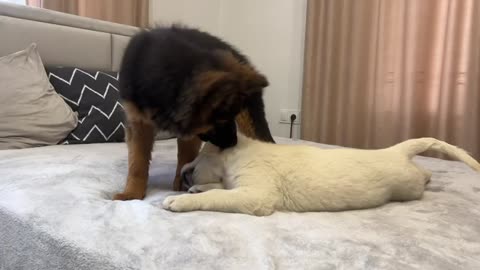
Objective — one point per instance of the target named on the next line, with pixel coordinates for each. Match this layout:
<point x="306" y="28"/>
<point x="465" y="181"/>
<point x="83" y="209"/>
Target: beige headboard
<point x="63" y="39"/>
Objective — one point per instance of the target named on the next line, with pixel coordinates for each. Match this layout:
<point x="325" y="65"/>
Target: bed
<point x="56" y="213"/>
<point x="56" y="210"/>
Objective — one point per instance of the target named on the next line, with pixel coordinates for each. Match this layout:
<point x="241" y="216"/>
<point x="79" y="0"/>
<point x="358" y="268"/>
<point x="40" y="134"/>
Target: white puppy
<point x="258" y="178"/>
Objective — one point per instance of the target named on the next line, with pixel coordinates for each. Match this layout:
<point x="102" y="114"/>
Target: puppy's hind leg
<point x="241" y="200"/>
<point x="412" y="187"/>
<point x="427" y="175"/>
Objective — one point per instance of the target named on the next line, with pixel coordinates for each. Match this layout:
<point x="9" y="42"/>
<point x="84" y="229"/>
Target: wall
<point x="204" y="14"/>
<point x="270" y="32"/>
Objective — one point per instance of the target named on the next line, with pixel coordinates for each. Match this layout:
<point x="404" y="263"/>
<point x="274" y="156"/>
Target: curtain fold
<point x="381" y="71"/>
<point x="131" y="12"/>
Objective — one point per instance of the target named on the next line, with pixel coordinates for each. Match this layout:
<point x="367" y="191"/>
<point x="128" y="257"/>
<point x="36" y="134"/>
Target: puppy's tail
<point x="416" y="146"/>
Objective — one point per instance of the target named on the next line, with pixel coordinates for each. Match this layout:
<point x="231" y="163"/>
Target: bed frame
<point x="63" y="39"/>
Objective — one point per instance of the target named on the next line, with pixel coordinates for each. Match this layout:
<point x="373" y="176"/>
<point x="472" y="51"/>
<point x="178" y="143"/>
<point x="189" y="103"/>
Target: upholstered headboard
<point x="63" y="39"/>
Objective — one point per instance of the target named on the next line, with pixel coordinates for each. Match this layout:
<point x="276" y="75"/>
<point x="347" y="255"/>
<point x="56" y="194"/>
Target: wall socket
<point x="285" y="116"/>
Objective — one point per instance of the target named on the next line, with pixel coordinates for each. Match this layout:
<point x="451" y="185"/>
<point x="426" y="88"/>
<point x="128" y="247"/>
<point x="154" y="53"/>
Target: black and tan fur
<point x="189" y="83"/>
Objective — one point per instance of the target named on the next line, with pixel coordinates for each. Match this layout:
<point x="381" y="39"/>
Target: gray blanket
<point x="56" y="213"/>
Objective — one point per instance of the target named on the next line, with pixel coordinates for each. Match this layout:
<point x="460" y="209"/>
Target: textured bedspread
<point x="56" y="213"/>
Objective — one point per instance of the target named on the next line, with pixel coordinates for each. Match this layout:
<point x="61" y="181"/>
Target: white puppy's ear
<point x="209" y="148"/>
<point x="189" y="166"/>
<point x="208" y="166"/>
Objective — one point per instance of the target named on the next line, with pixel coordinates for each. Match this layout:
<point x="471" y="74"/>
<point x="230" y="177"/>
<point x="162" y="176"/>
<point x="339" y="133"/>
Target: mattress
<point x="56" y="212"/>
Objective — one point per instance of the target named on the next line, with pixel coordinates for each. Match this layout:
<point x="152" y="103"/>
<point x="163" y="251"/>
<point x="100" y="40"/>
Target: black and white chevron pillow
<point x="94" y="95"/>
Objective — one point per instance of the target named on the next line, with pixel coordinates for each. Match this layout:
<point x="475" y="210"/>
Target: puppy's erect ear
<point x="252" y="78"/>
<point x="214" y="86"/>
<point x="257" y="80"/>
<point x="220" y="95"/>
<point x="214" y="80"/>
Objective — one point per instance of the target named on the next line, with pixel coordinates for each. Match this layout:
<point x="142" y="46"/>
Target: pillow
<point x="94" y="95"/>
<point x="31" y="112"/>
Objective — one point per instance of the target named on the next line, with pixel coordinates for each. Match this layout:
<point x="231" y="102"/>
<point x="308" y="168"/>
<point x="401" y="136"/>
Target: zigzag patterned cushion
<point x="94" y="95"/>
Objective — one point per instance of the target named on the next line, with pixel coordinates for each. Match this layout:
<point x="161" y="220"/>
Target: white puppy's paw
<point x="197" y="189"/>
<point x="205" y="187"/>
<point x="178" y="203"/>
<point x="168" y="201"/>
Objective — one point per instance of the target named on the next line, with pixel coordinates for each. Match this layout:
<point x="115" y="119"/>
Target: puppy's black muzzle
<point x="221" y="135"/>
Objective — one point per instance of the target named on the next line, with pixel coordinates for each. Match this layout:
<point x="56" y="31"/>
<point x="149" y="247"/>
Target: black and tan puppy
<point x="192" y="84"/>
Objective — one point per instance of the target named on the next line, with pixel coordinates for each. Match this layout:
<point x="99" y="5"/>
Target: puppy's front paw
<point x="178" y="203"/>
<point x="177" y="183"/>
<point x="126" y="196"/>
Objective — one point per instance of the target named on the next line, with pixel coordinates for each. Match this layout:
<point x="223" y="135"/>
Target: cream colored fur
<point x="259" y="178"/>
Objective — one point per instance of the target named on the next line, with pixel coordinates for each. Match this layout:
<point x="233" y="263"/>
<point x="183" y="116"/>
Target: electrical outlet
<point x="285" y="116"/>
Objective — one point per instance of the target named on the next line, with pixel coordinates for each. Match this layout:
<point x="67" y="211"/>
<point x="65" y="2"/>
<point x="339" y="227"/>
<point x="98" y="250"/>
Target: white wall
<point x="270" y="32"/>
<point x="204" y="14"/>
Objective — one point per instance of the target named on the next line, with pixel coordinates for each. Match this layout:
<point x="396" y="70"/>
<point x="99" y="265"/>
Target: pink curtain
<point x="381" y="71"/>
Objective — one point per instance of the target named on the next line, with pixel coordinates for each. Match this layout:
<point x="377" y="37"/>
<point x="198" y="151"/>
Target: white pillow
<point x="31" y="112"/>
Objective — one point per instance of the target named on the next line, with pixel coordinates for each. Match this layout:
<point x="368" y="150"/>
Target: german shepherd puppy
<point x="193" y="85"/>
